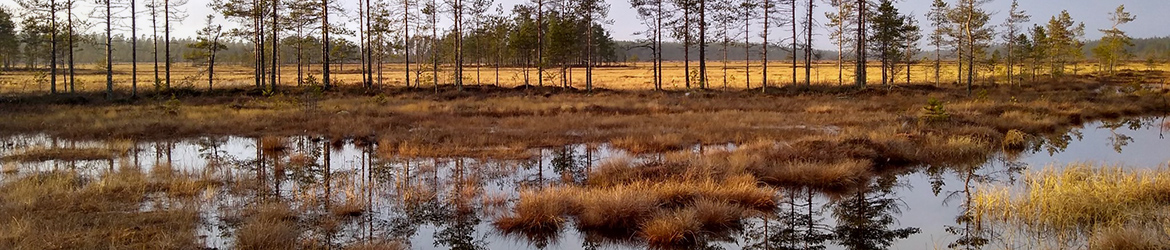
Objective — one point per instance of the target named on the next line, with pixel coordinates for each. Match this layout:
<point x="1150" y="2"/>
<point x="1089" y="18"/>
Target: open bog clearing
<point x="903" y="166"/>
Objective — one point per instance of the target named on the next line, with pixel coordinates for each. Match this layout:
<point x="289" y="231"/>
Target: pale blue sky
<point x="1151" y="20"/>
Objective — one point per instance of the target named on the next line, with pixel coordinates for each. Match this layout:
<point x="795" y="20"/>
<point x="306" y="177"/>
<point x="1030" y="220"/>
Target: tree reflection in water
<point x="449" y="199"/>
<point x="864" y="219"/>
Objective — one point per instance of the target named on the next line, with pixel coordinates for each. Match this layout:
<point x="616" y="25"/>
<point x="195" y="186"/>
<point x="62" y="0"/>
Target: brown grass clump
<point x="1130" y="238"/>
<point x="717" y="216"/>
<point x="618" y="208"/>
<point x="641" y="207"/>
<point x="61" y="209"/>
<point x="267" y="234"/>
<point x="269" y="226"/>
<point x="834" y="175"/>
<point x="61" y="154"/>
<point x="539" y="211"/>
<point x="957" y="150"/>
<point x="274" y="143"/>
<point x="348" y="208"/>
<point x="820" y="109"/>
<point x="1015" y="140"/>
<point x="672" y="228"/>
<point x="656" y="143"/>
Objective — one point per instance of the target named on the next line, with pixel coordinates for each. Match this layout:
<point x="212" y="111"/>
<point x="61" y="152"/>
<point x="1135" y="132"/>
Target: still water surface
<point x="928" y="198"/>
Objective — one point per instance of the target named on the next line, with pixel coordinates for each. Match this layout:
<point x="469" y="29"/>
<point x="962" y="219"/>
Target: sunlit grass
<point x="1082" y="202"/>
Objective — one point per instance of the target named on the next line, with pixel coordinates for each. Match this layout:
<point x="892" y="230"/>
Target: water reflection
<point x="351" y="192"/>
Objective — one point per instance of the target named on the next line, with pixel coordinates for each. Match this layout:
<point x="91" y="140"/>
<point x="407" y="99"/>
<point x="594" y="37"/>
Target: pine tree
<point x="839" y="20"/>
<point x="1113" y="46"/>
<point x="940" y="23"/>
<point x="1016" y="16"/>
<point x="1063" y="42"/>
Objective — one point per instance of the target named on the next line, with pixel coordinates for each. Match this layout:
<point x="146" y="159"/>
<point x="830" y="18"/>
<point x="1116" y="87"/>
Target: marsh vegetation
<point x="557" y="168"/>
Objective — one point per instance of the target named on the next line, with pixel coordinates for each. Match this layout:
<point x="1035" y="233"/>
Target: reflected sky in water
<point x="929" y="198"/>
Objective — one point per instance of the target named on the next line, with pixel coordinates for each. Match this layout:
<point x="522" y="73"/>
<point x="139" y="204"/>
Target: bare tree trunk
<point x="658" y="48"/>
<point x="767" y="22"/>
<point x="167" y="38"/>
<point x="71" y="43"/>
<point x="53" y="49"/>
<point x="808" y="45"/>
<point x="540" y="42"/>
<point x="794" y="41"/>
<point x="861" y="36"/>
<point x="589" y="53"/>
<point x="841" y="44"/>
<point x="364" y="43"/>
<point x="325" y="43"/>
<point x="109" y="53"/>
<point x="687" y="45"/>
<point x="257" y="46"/>
<point x="275" y="43"/>
<point x="133" y="49"/>
<point x="459" y="45"/>
<point x="747" y="45"/>
<point x="435" y="45"/>
<point x="154" y="43"/>
<point x="300" y="55"/>
<point x="406" y="35"/>
<point x="702" y="44"/>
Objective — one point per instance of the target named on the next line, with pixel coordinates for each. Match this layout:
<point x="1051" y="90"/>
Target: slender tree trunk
<point x="459" y="45"/>
<point x="937" y="64"/>
<point x="687" y="45"/>
<point x="767" y="22"/>
<point x="71" y="43"/>
<point x="860" y="74"/>
<point x="325" y="43"/>
<point x="300" y="55"/>
<point x="211" y="61"/>
<point x="275" y="43"/>
<point x="406" y="35"/>
<point x="1011" y="56"/>
<point x="373" y="48"/>
<point x="154" y="42"/>
<point x="540" y="42"/>
<point x="262" y="37"/>
<point x="794" y="41"/>
<point x="702" y="44"/>
<point x="257" y="45"/>
<point x="133" y="49"/>
<point x="109" y="52"/>
<point x="364" y="43"/>
<point x="167" y="38"/>
<point x="841" y="44"/>
<point x="747" y="45"/>
<point x="971" y="51"/>
<point x="53" y="47"/>
<point x="808" y="45"/>
<point x="435" y="45"/>
<point x="658" y="48"/>
<point x="589" y="52"/>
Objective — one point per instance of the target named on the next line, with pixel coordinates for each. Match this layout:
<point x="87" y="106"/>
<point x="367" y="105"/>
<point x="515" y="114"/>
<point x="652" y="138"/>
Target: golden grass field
<point x="629" y="77"/>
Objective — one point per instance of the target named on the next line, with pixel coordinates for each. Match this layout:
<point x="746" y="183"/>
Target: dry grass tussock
<point x="1104" y="204"/>
<point x="1132" y="237"/>
<point x="61" y="154"/>
<point x="61" y="209"/>
<point x="632" y="208"/>
<point x="269" y="226"/>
